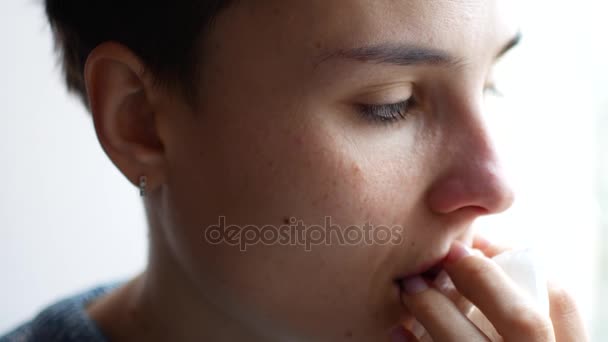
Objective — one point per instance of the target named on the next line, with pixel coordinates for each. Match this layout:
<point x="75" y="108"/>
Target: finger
<point x="401" y="334"/>
<point x="421" y="333"/>
<point x="567" y="321"/>
<point x="484" y="325"/>
<point x="488" y="248"/>
<point x="490" y="289"/>
<point x="438" y="315"/>
<point x="426" y="338"/>
<point x="444" y="284"/>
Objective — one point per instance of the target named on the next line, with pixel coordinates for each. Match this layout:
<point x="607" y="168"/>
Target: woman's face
<point x="361" y="111"/>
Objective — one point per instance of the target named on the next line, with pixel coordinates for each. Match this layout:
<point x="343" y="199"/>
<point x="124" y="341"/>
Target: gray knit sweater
<point x="64" y="321"/>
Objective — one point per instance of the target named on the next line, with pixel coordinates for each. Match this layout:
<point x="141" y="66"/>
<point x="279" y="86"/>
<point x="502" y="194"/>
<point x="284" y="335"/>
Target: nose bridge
<point x="466" y="149"/>
<point x="471" y="175"/>
<point x="471" y="141"/>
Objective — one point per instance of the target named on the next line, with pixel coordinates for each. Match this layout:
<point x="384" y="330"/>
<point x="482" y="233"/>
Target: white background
<point x="69" y="220"/>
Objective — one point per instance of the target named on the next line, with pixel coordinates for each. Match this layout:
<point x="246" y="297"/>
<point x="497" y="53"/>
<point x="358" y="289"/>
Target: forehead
<point x="462" y="27"/>
<point x="267" y="44"/>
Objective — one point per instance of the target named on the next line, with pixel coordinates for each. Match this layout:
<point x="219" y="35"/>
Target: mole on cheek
<point x="357" y="176"/>
<point x="348" y="334"/>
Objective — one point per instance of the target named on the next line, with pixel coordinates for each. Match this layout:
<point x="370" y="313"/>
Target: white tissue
<point x="525" y="268"/>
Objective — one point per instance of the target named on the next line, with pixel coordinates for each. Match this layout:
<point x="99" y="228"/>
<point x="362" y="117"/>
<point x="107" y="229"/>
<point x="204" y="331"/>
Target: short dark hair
<point x="164" y="34"/>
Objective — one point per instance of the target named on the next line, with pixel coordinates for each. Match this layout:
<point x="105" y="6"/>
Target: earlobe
<point x="125" y="120"/>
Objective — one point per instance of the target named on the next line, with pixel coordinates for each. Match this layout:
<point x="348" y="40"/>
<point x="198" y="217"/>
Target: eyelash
<point x="390" y="113"/>
<point x="492" y="89"/>
<point x="387" y="113"/>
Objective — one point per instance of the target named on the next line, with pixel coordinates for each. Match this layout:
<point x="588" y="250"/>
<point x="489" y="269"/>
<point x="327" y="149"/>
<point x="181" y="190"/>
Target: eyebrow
<point x="509" y="46"/>
<point x="407" y="55"/>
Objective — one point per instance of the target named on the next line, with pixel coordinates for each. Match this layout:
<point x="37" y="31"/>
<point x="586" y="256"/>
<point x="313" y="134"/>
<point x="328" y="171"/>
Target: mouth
<point x="429" y="274"/>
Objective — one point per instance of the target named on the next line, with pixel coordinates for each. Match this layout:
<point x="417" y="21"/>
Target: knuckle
<point x="530" y="323"/>
<point x="477" y="271"/>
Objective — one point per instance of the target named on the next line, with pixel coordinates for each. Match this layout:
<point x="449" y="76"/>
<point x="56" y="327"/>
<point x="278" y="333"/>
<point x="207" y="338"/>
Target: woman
<point x="307" y="167"/>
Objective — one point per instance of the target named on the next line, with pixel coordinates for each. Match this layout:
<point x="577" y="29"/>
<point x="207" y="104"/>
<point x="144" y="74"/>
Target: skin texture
<point x="278" y="134"/>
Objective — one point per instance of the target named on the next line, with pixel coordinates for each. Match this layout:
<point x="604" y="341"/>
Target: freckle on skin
<point x="348" y="334"/>
<point x="286" y="220"/>
<point x="318" y="45"/>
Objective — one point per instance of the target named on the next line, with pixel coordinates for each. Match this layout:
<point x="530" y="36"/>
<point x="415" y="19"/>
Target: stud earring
<point x="142" y="185"/>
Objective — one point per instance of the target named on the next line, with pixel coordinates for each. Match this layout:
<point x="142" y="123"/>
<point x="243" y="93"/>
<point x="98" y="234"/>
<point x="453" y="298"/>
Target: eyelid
<point x="388" y="94"/>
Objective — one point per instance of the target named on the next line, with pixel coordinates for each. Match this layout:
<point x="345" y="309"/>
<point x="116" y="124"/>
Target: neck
<point x="164" y="303"/>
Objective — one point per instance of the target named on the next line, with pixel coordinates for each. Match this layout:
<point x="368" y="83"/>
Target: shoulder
<point x="64" y="321"/>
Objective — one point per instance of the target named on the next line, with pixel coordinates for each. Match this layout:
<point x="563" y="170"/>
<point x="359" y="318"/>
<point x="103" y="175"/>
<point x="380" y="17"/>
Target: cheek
<point x="267" y="174"/>
<point x="314" y="174"/>
<point x="257" y="175"/>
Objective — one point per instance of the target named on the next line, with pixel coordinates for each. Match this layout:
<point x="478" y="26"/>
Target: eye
<point x="387" y="113"/>
<point x="492" y="89"/>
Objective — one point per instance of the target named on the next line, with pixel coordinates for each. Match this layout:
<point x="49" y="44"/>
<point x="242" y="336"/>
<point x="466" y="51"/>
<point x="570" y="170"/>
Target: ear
<point x="120" y="95"/>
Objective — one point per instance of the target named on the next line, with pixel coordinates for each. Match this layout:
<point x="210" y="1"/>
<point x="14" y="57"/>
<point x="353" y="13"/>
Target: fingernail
<point x="443" y="283"/>
<point x="481" y="242"/>
<point x="414" y="285"/>
<point x="418" y="330"/>
<point x="457" y="252"/>
<point x="399" y="334"/>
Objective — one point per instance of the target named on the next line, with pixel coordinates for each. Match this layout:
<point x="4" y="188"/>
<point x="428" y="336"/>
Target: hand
<point x="507" y="309"/>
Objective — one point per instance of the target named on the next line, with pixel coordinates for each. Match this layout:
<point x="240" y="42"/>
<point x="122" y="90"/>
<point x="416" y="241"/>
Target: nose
<point x="469" y="175"/>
